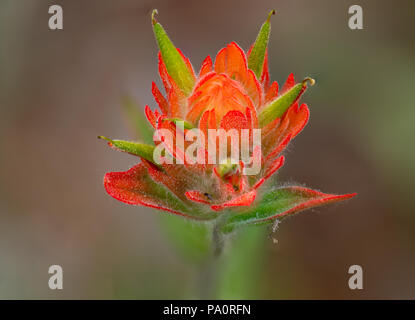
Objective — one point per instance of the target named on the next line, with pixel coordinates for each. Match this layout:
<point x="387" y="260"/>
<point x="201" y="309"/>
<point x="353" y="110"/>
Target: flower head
<point x="232" y="93"/>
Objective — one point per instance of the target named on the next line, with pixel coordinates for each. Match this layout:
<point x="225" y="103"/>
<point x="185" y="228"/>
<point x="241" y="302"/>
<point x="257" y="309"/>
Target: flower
<point x="233" y="92"/>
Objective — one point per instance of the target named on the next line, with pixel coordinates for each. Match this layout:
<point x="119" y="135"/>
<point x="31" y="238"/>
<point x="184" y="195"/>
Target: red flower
<point x="234" y="92"/>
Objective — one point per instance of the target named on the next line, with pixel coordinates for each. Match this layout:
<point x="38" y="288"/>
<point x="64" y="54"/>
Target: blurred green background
<point x="60" y="89"/>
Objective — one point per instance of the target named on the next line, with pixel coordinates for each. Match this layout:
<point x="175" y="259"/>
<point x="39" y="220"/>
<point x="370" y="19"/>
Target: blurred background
<point x="60" y="89"/>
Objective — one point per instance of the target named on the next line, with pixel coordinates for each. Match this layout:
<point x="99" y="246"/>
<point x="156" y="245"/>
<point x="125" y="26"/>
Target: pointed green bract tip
<point x="138" y="149"/>
<point x="257" y="56"/>
<point x="104" y="138"/>
<point x="175" y="64"/>
<point x="276" y="108"/>
<point x="153" y="16"/>
<point x="272" y="12"/>
<point x="310" y="81"/>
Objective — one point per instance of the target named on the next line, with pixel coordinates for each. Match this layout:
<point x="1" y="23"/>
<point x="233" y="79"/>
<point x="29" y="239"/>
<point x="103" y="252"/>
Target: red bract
<point x="234" y="92"/>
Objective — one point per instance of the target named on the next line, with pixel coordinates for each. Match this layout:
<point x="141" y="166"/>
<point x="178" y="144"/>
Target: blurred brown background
<point x="60" y="89"/>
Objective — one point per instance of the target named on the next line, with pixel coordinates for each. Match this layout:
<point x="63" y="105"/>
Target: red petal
<point x="279" y="148"/>
<point x="265" y="73"/>
<point x="298" y="118"/>
<point x="272" y="92"/>
<point x="203" y="123"/>
<point x="275" y="165"/>
<point x="197" y="109"/>
<point x="212" y="119"/>
<point x="161" y="101"/>
<point x="234" y="120"/>
<point x="231" y="60"/>
<point x="175" y="96"/>
<point x="249" y="51"/>
<point x="136" y="187"/>
<point x="172" y="146"/>
<point x="150" y="116"/>
<point x="293" y="121"/>
<point x="206" y="67"/>
<point x="174" y="181"/>
<point x="289" y="83"/>
<point x="219" y="92"/>
<point x="177" y="102"/>
<point x="253" y="88"/>
<point x="270" y="127"/>
<point x="197" y="196"/>
<point x="196" y="90"/>
<point x="164" y="75"/>
<point x="244" y="200"/>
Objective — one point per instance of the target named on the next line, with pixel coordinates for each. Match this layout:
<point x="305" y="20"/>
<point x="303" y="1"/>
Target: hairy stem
<point x="217" y="240"/>
<point x="209" y="270"/>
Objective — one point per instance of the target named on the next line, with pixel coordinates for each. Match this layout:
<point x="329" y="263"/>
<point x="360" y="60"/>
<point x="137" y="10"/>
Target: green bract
<point x="276" y="108"/>
<point x="278" y="204"/>
<point x="257" y="55"/>
<point x="175" y="64"/>
<point x="138" y="149"/>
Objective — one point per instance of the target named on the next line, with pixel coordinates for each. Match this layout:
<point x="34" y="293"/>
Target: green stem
<point x="209" y="271"/>
<point x="217" y="240"/>
<point x="240" y="269"/>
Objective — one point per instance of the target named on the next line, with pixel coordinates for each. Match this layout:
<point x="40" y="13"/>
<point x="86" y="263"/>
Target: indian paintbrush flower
<point x="233" y="92"/>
